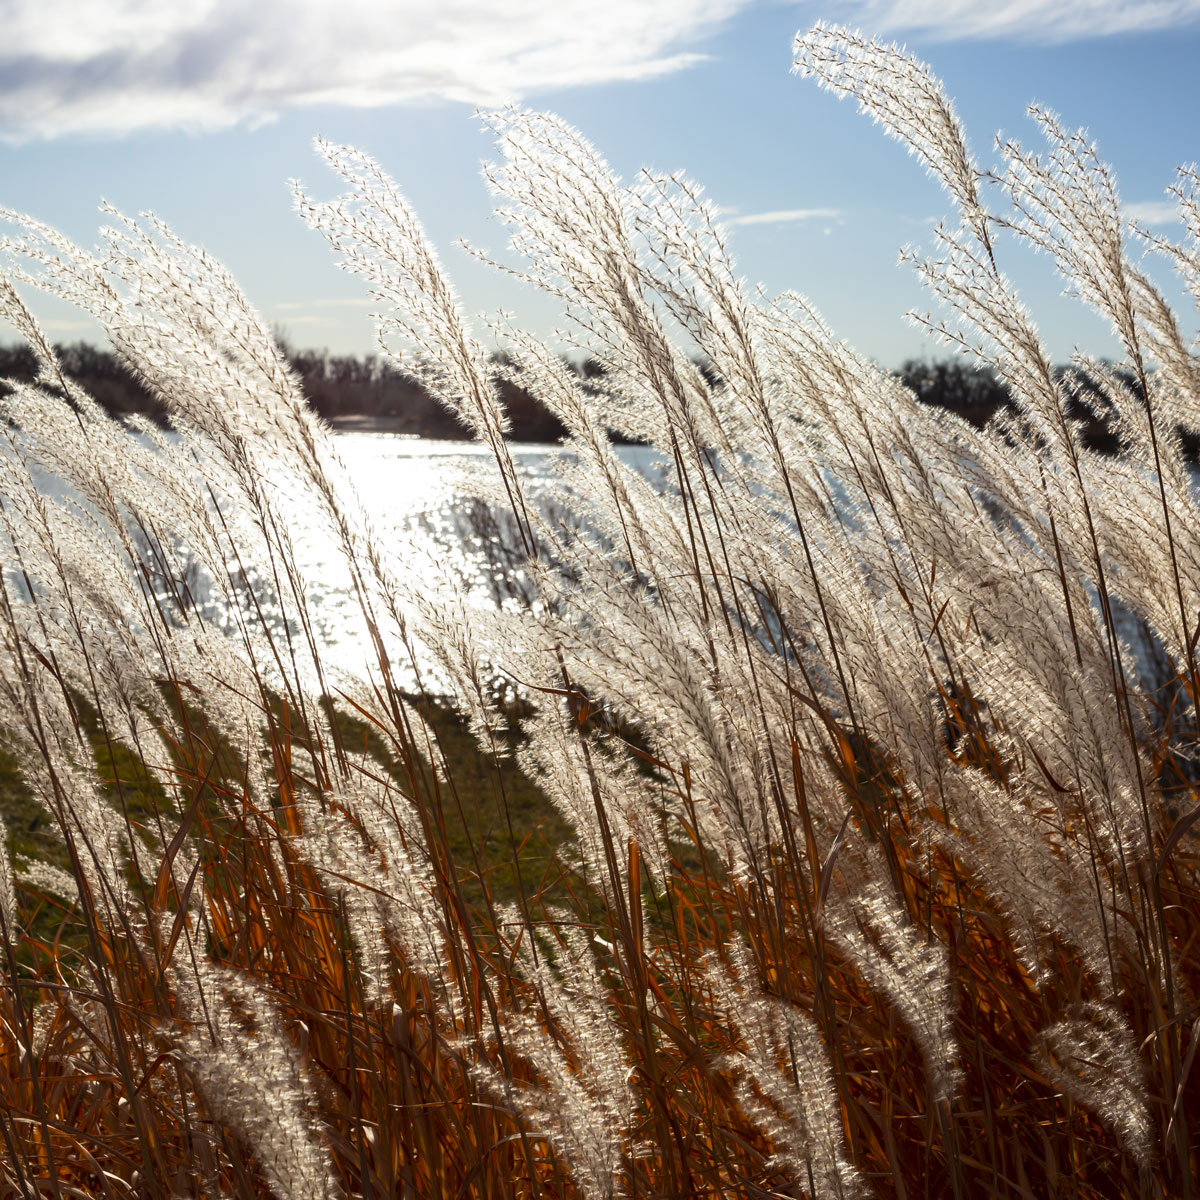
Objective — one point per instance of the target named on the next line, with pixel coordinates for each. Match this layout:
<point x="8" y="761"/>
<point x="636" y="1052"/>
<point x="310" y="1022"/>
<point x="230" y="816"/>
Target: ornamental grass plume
<point x="861" y="741"/>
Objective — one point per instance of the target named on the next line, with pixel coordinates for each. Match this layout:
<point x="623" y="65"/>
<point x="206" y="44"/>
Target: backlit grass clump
<point x="838" y="840"/>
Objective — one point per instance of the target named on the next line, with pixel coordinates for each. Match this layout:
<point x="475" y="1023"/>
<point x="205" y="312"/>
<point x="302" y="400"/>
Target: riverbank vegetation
<point x="368" y="393"/>
<point x="347" y="391"/>
<point x="815" y="819"/>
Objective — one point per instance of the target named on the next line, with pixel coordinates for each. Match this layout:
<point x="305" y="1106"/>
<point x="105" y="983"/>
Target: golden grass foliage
<point x="839" y="841"/>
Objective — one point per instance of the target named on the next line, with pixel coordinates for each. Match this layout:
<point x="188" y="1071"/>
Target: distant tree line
<point x="344" y="389"/>
<point x="349" y="390"/>
<point x="99" y="372"/>
<point x="977" y="394"/>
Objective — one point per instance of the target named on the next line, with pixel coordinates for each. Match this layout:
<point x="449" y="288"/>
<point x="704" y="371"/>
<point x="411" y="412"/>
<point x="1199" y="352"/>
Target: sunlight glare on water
<point x="418" y="495"/>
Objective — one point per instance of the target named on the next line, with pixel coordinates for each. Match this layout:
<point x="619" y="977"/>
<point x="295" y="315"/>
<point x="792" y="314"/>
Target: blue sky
<point x="204" y="117"/>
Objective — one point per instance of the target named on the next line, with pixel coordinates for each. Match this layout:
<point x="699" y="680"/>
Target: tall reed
<point x="879" y="875"/>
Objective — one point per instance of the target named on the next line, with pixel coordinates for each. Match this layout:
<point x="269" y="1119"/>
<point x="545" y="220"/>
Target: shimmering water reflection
<point x="420" y="496"/>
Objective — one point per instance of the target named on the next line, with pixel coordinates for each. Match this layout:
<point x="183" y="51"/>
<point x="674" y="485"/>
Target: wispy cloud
<point x="326" y="302"/>
<point x="60" y="325"/>
<point x="112" y="66"/>
<point x="780" y="215"/>
<point x="1046" y="21"/>
<point x="1152" y="212"/>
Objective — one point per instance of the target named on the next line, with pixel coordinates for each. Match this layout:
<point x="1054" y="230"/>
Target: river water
<point x="420" y="496"/>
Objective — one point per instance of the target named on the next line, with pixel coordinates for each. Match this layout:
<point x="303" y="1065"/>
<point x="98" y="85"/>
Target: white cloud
<point x="1046" y="21"/>
<point x="1152" y="212"/>
<point x="111" y="66"/>
<point x="780" y="215"/>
